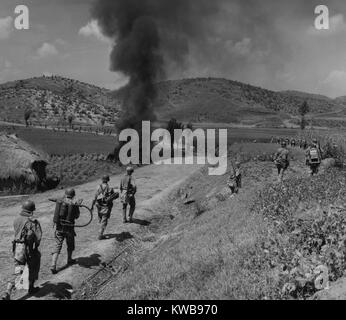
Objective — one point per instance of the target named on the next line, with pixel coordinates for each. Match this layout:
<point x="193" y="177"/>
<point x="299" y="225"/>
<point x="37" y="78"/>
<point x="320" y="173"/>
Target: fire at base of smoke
<point x="185" y="147"/>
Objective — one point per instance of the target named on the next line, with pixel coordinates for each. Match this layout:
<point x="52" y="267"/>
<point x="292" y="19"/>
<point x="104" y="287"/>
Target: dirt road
<point x="154" y="183"/>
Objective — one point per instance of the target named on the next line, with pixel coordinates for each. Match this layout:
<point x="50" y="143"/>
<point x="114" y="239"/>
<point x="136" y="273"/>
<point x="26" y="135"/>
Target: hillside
<point x="53" y="99"/>
<point x="221" y="100"/>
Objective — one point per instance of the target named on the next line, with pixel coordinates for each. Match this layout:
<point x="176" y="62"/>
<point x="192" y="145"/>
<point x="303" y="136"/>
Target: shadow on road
<point x="119" y="237"/>
<point x="88" y="262"/>
<point x="141" y="222"/>
<point x="61" y="290"/>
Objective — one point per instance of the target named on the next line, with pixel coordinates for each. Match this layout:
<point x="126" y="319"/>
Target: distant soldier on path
<point x="104" y="198"/>
<point x="66" y="212"/>
<point x="128" y="190"/>
<point x="27" y="238"/>
<point x="281" y="160"/>
<point x="234" y="182"/>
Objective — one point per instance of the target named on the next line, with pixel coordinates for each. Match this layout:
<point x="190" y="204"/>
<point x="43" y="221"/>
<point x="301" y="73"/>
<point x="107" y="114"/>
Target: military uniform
<point x="104" y="209"/>
<point x="281" y="160"/>
<point x="27" y="239"/>
<point x="314" y="164"/>
<point x="128" y="190"/>
<point x="234" y="182"/>
<point x="64" y="231"/>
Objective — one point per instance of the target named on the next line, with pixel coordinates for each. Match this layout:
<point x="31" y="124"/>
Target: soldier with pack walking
<point x="281" y="160"/>
<point x="314" y="157"/>
<point x="27" y="239"/>
<point x="66" y="212"/>
<point x="234" y="182"/>
<point x="293" y="142"/>
<point x="104" y="198"/>
<point x="128" y="190"/>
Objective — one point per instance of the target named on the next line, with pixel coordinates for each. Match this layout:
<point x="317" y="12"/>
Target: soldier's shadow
<point x="61" y="290"/>
<point x="119" y="237"/>
<point x="88" y="262"/>
<point x="141" y="222"/>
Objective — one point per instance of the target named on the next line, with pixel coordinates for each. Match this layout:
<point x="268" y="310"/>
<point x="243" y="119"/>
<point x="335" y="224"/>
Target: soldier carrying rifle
<point x="27" y="239"/>
<point x="128" y="190"/>
<point x="104" y="198"/>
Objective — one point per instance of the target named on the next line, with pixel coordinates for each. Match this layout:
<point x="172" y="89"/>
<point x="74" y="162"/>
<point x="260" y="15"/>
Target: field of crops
<point x="305" y="244"/>
<point x="65" y="143"/>
<point x="80" y="168"/>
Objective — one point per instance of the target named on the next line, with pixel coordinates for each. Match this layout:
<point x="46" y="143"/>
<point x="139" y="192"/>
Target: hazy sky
<point x="269" y="43"/>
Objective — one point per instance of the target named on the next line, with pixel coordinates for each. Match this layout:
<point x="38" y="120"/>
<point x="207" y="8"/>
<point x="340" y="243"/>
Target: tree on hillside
<point x="27" y="115"/>
<point x="304" y="109"/>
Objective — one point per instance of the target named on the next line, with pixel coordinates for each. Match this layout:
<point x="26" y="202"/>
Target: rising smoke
<point x="148" y="35"/>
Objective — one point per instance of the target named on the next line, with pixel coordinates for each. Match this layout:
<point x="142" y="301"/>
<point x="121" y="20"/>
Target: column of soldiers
<point x="313" y="155"/>
<point x="28" y="231"/>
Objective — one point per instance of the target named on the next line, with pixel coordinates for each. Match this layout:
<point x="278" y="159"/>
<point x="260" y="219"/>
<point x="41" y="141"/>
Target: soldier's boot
<point x="132" y="211"/>
<point x="124" y="215"/>
<point x="32" y="289"/>
<point x="70" y="261"/>
<point x="54" y="262"/>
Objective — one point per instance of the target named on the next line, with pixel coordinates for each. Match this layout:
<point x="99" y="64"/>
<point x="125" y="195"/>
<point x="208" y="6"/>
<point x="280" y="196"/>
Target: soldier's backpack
<point x="65" y="213"/>
<point x="314" y="156"/>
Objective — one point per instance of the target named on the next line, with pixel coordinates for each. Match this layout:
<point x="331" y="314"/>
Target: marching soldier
<point x="66" y="212"/>
<point x="293" y="142"/>
<point x="128" y="190"/>
<point x="104" y="198"/>
<point x="281" y="159"/>
<point x="314" y="157"/>
<point x="234" y="182"/>
<point x="27" y="238"/>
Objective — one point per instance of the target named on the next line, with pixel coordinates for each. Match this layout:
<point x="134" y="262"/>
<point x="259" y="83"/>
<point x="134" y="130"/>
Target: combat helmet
<point x="29" y="206"/>
<point x="70" y="193"/>
<point x="130" y="169"/>
<point x="105" y="179"/>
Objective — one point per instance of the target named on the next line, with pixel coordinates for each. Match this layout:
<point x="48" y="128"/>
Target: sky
<point x="268" y="43"/>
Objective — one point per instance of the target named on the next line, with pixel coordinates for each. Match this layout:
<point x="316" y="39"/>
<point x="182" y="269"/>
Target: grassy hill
<point x="221" y="100"/>
<point x="53" y="99"/>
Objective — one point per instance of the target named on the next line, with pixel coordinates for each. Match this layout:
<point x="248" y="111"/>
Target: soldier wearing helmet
<point x="104" y="198"/>
<point x="234" y="182"/>
<point x="314" y="157"/>
<point x="128" y="190"/>
<point x="27" y="238"/>
<point x="281" y="160"/>
<point x="67" y="211"/>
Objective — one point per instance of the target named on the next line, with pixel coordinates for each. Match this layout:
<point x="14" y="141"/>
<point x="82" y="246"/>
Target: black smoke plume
<point x="148" y="34"/>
